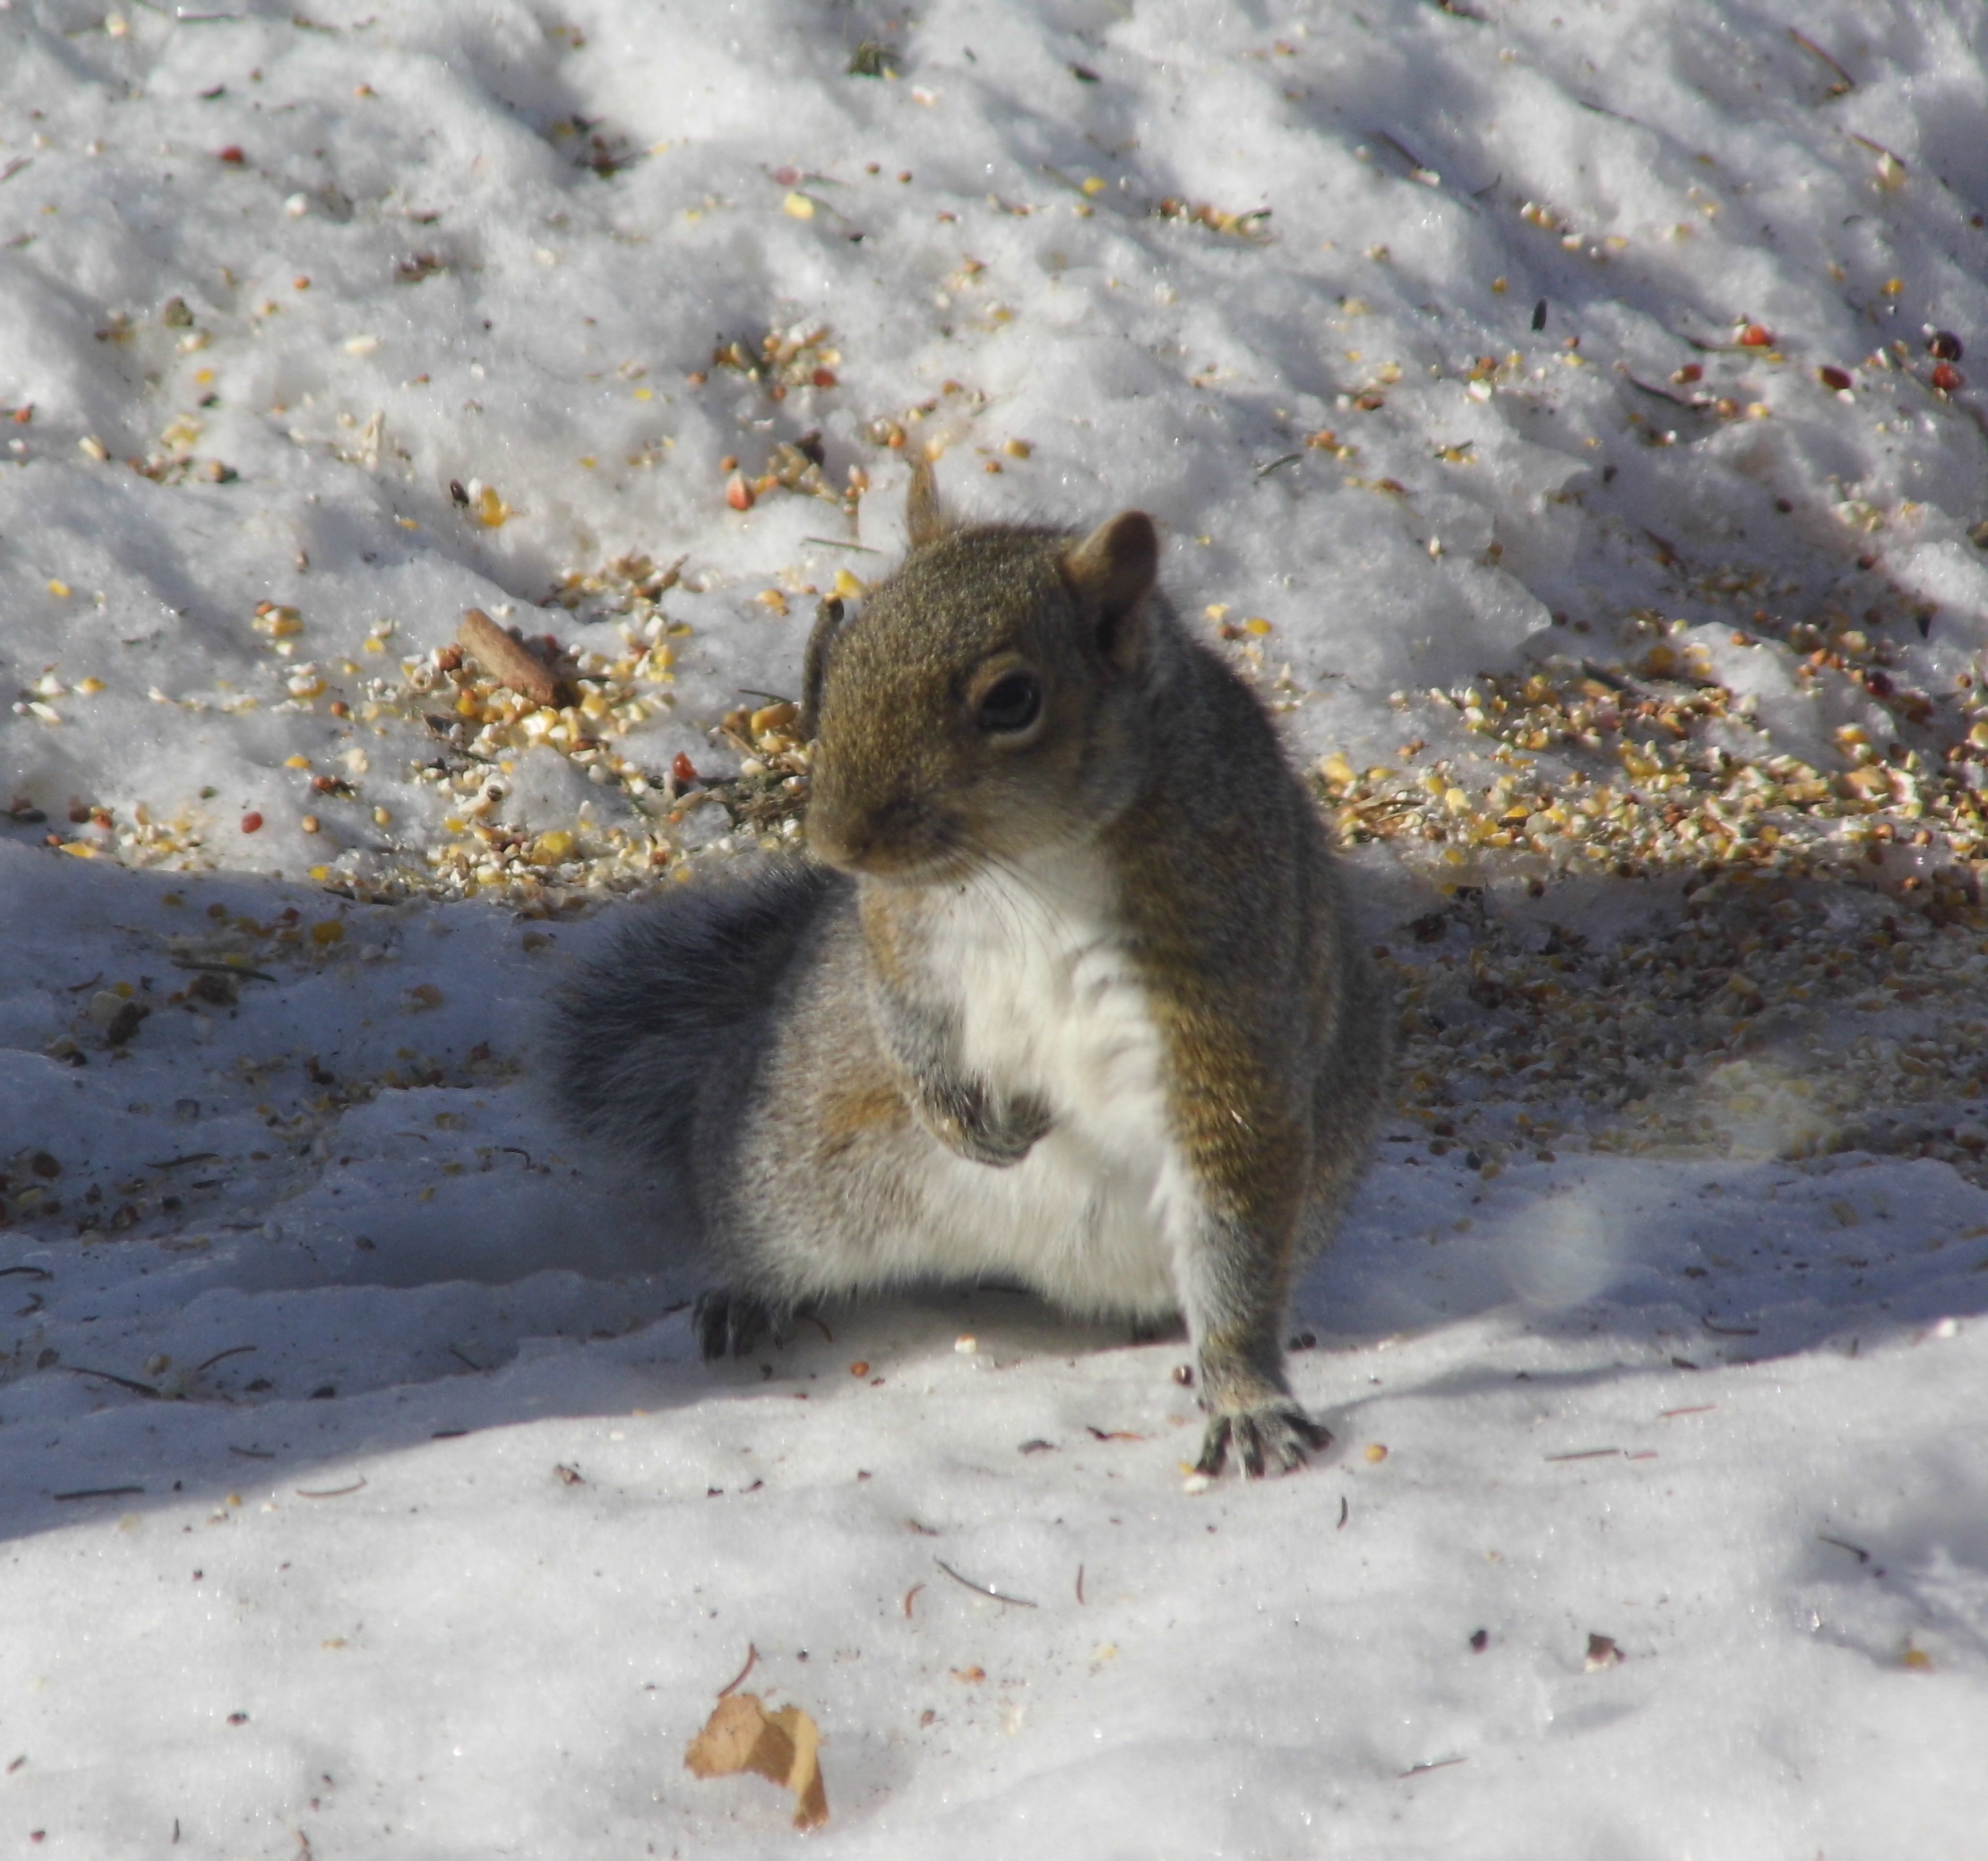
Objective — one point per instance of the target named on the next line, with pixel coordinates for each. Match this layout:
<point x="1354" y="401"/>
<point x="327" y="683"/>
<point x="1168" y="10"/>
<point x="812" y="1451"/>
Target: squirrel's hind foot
<point x="1279" y="1434"/>
<point x="728" y="1324"/>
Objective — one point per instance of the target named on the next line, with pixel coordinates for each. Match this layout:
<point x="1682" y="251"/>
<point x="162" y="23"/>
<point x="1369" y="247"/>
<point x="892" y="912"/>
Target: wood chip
<point x="505" y="660"/>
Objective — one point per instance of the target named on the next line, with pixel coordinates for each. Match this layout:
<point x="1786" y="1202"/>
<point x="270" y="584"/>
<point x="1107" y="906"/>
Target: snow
<point x="1711" y="1399"/>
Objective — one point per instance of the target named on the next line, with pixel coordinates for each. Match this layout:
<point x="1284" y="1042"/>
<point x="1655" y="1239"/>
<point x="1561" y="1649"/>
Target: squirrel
<point x="1066" y="990"/>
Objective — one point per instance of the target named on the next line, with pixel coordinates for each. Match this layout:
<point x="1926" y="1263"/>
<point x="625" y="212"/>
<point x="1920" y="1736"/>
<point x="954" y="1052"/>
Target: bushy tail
<point x="684" y="986"/>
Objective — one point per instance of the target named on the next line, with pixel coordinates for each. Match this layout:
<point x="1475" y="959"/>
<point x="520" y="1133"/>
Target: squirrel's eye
<point x="1012" y="705"/>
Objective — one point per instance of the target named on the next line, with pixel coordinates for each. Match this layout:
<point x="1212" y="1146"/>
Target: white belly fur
<point x="1049" y="1005"/>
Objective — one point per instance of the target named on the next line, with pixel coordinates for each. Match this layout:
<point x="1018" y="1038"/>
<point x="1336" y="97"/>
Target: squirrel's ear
<point x="926" y="520"/>
<point x="828" y="622"/>
<point x="1112" y="571"/>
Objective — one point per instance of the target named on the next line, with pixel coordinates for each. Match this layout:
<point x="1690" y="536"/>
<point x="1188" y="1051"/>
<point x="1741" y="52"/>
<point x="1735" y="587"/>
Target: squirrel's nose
<point x="897" y="832"/>
<point x="830" y="843"/>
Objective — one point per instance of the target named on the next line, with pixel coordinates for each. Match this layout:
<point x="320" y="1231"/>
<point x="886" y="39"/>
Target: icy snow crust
<point x="1719" y="1409"/>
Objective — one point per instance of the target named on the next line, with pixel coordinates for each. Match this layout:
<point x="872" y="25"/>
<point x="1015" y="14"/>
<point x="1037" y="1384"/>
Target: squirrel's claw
<point x="983" y="1130"/>
<point x="728" y="1324"/>
<point x="1280" y="1433"/>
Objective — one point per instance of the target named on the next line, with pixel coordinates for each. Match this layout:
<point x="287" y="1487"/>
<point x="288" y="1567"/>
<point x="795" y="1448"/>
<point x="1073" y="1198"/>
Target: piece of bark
<point x="782" y="1747"/>
<point x="505" y="660"/>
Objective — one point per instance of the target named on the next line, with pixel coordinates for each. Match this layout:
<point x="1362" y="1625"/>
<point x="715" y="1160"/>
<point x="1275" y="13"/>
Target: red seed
<point x="1833" y="378"/>
<point x="250" y="823"/>
<point x="823" y="377"/>
<point x="1948" y="379"/>
<point x="1691" y="372"/>
<point x="1756" y="335"/>
<point x="233" y="156"/>
<point x="738" y="493"/>
<point x="1943" y="345"/>
<point x="683" y="771"/>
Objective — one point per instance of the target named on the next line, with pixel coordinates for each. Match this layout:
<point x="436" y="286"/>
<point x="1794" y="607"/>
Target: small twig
<point x="1731" y="1331"/>
<point x="192" y="1156"/>
<point x="982" y="1588"/>
<point x="1079" y="1583"/>
<point x="33" y="1272"/>
<point x="1602" y="110"/>
<point x="1057" y="173"/>
<point x="98" y="1492"/>
<point x="752" y="1661"/>
<point x="461" y="1359"/>
<point x="1700" y="1408"/>
<point x="1345" y="1512"/>
<point x="252" y="1453"/>
<point x="333" y="1492"/>
<point x="1856" y="1551"/>
<point x="810" y="1318"/>
<point x="1586" y="1454"/>
<point x="1815" y="51"/>
<point x="76" y="988"/>
<point x="237" y="1350"/>
<point x="123" y="1383"/>
<point x="1688" y="403"/>
<point x="1877" y="148"/>
<point x="1418" y="170"/>
<point x="223" y="969"/>
<point x="1290" y="458"/>
<point x="908" y="1595"/>
<point x="1438" y="1764"/>
<point x="831" y="542"/>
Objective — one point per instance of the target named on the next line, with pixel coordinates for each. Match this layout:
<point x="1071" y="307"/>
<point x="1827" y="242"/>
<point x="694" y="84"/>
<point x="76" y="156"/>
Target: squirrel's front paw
<point x="986" y="1130"/>
<point x="1278" y="1433"/>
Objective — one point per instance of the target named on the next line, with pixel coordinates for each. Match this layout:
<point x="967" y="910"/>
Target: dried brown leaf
<point x="782" y="1747"/>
